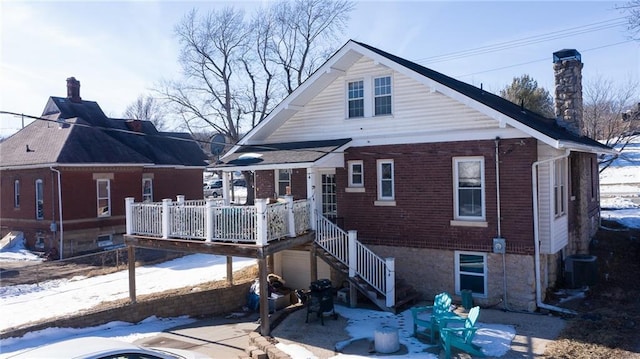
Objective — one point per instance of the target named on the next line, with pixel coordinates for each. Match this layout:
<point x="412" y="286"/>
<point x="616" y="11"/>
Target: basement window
<point x="471" y="272"/>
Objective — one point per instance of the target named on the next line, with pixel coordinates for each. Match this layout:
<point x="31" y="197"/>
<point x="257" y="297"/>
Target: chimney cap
<point x="566" y="54"/>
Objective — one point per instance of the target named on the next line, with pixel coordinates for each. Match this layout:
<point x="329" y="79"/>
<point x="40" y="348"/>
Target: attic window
<point x="356" y="99"/>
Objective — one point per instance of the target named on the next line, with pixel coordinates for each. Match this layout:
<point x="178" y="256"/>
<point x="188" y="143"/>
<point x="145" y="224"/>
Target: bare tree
<point x="232" y="66"/>
<point x="304" y="33"/>
<point x="609" y="112"/>
<point x="147" y="108"/>
<point x="524" y="91"/>
<point x="632" y="9"/>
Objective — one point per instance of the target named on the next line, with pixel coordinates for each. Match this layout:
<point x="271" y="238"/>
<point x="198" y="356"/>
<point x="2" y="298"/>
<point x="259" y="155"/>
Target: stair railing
<point x="378" y="272"/>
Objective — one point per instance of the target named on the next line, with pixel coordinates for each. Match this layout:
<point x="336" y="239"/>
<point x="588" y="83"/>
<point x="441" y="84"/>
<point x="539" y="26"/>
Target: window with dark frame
<point x="39" y="199"/>
<point x="16" y="194"/>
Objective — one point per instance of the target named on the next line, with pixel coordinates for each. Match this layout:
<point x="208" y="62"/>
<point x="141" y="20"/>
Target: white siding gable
<point x="553" y="232"/>
<point x="419" y="114"/>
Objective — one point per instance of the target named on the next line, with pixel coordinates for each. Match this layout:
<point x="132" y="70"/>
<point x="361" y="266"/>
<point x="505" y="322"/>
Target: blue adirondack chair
<point x="461" y="337"/>
<point x="440" y="311"/>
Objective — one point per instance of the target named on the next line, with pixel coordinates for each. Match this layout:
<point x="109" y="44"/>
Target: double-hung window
<point x="147" y="190"/>
<point x="356" y="98"/>
<point x="560" y="186"/>
<point x="468" y="175"/>
<point x="385" y="180"/>
<point x="103" y="190"/>
<point x="16" y="194"/>
<point x="284" y="181"/>
<point x="382" y="95"/>
<point x="39" y="199"/>
<point x="471" y="272"/>
<point x="356" y="174"/>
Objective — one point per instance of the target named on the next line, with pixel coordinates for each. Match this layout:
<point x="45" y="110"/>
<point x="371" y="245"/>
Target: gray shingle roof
<point x="89" y="136"/>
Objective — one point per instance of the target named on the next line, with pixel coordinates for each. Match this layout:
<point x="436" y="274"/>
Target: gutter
<point x="536" y="234"/>
<point x="60" y="211"/>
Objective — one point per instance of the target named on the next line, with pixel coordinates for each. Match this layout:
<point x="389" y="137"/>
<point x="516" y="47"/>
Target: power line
<point x="501" y="46"/>
<point x="539" y="60"/>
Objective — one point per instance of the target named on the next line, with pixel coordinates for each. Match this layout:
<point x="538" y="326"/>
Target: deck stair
<point x="405" y="294"/>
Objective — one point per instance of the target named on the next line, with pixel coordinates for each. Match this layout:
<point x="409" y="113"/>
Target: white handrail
<point x="364" y="263"/>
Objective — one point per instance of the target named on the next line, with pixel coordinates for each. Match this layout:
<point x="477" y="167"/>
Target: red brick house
<point x="64" y="178"/>
<point x="466" y="190"/>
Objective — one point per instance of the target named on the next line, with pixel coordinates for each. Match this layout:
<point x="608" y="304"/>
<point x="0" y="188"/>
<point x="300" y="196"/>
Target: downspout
<point x="60" y="211"/>
<point x="536" y="234"/>
<point x="499" y="229"/>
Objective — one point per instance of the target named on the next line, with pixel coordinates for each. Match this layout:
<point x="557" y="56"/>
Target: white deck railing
<point x="362" y="262"/>
<point x="210" y="220"/>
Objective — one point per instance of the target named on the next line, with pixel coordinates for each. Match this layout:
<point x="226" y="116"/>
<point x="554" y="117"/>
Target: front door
<point x="329" y="203"/>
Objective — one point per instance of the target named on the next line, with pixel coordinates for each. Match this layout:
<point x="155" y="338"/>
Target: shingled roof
<point x="547" y="126"/>
<point x="78" y="132"/>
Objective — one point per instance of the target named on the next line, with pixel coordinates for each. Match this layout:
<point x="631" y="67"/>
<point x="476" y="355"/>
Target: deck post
<point x="291" y="216"/>
<point x="229" y="270"/>
<point x="166" y="226"/>
<point x="311" y="191"/>
<point x="313" y="264"/>
<point x="132" y="273"/>
<point x="390" y="283"/>
<point x="265" y="326"/>
<point x="353" y="252"/>
<point x="225" y="188"/>
<point x="261" y="221"/>
<point x="209" y="214"/>
<point x="128" y="214"/>
<point x="180" y="198"/>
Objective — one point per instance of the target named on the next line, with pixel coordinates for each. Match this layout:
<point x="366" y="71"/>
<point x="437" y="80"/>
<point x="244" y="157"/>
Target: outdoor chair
<point x="440" y="310"/>
<point x="461" y="337"/>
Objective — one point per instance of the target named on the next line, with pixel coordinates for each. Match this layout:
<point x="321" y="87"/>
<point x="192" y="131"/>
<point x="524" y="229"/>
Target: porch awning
<point x="303" y="154"/>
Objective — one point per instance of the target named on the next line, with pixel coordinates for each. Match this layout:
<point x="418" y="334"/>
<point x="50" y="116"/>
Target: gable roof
<point x="496" y="107"/>
<point x="79" y="133"/>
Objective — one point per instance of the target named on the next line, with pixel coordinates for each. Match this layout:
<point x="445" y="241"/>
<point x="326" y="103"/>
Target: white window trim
<point x="351" y="165"/>
<point x="103" y="213"/>
<point x="456" y="211"/>
<point x="150" y="180"/>
<point x="563" y="177"/>
<point x="364" y="98"/>
<point x="278" y="181"/>
<point x="373" y="93"/>
<point x="484" y="272"/>
<point x="16" y="194"/>
<point x="40" y="183"/>
<point x="385" y="199"/>
<point x="368" y="84"/>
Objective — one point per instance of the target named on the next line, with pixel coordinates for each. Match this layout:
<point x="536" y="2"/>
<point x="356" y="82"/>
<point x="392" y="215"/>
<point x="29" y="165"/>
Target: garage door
<point x="295" y="269"/>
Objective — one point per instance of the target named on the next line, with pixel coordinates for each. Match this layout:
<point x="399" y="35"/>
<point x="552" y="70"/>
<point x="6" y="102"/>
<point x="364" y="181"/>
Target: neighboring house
<point x="466" y="190"/>
<point x="64" y="179"/>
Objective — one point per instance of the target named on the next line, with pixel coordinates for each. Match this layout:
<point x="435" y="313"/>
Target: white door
<point x="294" y="268"/>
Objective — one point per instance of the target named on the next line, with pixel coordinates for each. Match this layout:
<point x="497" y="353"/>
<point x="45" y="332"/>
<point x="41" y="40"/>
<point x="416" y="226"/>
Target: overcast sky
<point x="121" y="49"/>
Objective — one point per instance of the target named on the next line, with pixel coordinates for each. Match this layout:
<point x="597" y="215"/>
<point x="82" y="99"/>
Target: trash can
<point x="467" y="299"/>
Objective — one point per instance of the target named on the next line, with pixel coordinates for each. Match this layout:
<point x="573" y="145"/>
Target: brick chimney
<point x="567" y="69"/>
<point x="73" y="90"/>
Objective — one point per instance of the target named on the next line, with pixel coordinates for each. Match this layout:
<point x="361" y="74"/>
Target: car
<point x="103" y="348"/>
<point x="212" y="191"/>
<point x="240" y="182"/>
<point x="214" y="183"/>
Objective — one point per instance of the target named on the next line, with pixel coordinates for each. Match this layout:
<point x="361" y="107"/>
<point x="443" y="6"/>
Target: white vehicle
<point x="103" y="348"/>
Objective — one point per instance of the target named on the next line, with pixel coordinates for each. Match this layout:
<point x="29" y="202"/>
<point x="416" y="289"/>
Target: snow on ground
<point x="66" y="296"/>
<point x="23" y="303"/>
<point x="16" y="252"/>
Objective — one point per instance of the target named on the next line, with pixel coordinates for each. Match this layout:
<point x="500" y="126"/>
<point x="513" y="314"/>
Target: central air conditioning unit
<point x="581" y="270"/>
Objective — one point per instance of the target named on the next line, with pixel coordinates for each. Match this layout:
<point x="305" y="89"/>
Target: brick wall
<point x="203" y="303"/>
<point x="424" y="196"/>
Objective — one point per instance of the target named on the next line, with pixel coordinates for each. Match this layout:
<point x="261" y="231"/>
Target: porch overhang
<point x="286" y="155"/>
